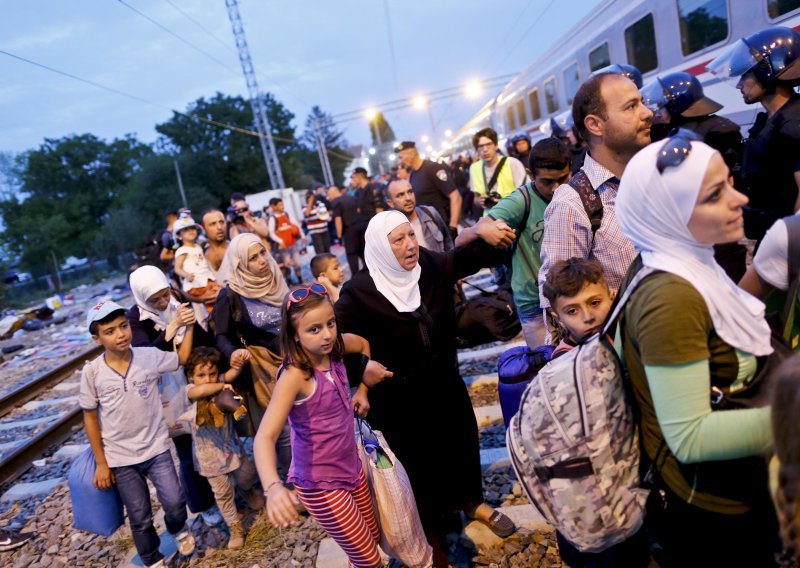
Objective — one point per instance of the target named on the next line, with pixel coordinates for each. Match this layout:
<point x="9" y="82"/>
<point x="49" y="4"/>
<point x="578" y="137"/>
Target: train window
<point x="550" y="95"/>
<point x="703" y="23"/>
<point x="777" y="8"/>
<point x="640" y="44"/>
<point x="533" y="101"/>
<point x="599" y="57"/>
<point x="512" y="123"/>
<point x="571" y="82"/>
<point x="522" y="114"/>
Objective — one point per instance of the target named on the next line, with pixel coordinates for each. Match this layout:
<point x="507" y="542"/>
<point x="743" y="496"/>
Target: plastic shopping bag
<point x="402" y="536"/>
<point x="93" y="510"/>
<point x="174" y="402"/>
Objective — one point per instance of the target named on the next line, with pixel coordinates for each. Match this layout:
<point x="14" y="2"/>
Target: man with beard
<point x="216" y="229"/>
<point x="580" y="221"/>
<point x="429" y="227"/>
<point x="765" y="68"/>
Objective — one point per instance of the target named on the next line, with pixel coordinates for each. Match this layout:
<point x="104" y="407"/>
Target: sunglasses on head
<point x="675" y="151"/>
<point x="302" y="294"/>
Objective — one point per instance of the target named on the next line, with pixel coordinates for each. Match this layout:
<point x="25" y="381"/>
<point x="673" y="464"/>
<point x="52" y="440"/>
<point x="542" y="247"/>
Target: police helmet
<point x="678" y="93"/>
<point x="519" y="137"/>
<point x="558" y="126"/>
<point x="625" y="70"/>
<point x="771" y="54"/>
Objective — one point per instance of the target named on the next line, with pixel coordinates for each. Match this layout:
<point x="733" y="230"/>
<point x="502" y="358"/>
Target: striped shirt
<point x="568" y="232"/>
<point x="317" y="218"/>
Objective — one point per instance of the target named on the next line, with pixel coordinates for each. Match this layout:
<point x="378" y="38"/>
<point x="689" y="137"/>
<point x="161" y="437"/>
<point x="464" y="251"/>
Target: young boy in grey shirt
<point x="125" y="425"/>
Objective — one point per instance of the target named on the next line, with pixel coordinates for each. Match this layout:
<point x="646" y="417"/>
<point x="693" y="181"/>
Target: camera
<point x="491" y="199"/>
<point x="236" y="215"/>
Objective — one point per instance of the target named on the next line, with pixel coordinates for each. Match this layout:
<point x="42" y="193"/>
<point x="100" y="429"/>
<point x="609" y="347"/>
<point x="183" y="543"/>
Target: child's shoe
<point x="237" y="536"/>
<point x="185" y="542"/>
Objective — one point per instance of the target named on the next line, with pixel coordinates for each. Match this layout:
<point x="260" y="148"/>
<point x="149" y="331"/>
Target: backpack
<point x="516" y="368"/>
<point x="491" y="316"/>
<point x="574" y="444"/>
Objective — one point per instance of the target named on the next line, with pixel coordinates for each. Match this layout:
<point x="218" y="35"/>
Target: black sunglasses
<point x="677" y="148"/>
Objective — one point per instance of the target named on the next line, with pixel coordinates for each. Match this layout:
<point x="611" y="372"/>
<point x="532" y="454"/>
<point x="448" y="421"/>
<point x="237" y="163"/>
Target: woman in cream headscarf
<point x="159" y="320"/>
<point x="689" y="331"/>
<point x="403" y="305"/>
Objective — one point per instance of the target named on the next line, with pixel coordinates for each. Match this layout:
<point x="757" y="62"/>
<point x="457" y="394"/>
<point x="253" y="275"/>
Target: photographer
<point x="241" y="220"/>
<point x="493" y="176"/>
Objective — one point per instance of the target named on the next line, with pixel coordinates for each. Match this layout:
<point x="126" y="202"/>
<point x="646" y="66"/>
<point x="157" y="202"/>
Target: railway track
<point x="20" y="458"/>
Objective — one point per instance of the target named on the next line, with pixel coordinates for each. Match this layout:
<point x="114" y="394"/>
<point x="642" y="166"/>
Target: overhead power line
<point x="137" y="98"/>
<point x="180" y="38"/>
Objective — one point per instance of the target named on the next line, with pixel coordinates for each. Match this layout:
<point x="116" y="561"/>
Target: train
<point x="656" y="36"/>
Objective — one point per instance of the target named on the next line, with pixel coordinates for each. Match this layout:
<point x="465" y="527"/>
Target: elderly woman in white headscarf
<point x="159" y="320"/>
<point x="688" y="333"/>
<point x="403" y="305"/>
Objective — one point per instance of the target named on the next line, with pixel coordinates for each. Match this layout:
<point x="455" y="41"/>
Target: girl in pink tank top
<point x="312" y="391"/>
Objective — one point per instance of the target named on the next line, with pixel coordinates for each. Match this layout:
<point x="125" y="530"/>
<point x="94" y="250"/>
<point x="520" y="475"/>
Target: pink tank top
<point x="324" y="452"/>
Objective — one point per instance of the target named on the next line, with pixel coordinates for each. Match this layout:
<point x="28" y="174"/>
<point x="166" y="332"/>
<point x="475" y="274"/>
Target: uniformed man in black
<point x="433" y="184"/>
<point x="367" y="195"/>
<point x="350" y="225"/>
<point x="766" y="69"/>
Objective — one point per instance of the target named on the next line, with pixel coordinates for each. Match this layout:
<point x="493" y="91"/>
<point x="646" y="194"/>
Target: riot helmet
<point x="678" y="93"/>
<point x="558" y="126"/>
<point x="771" y="54"/>
<point x="623" y="69"/>
<point x="519" y="138"/>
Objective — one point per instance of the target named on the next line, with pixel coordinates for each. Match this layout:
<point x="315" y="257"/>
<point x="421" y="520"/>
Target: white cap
<point x="183" y="223"/>
<point x="101" y="310"/>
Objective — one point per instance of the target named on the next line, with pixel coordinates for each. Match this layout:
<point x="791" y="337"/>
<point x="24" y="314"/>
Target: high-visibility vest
<point x="505" y="181"/>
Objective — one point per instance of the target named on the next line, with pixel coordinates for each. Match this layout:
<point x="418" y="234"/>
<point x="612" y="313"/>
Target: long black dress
<point x="424" y="411"/>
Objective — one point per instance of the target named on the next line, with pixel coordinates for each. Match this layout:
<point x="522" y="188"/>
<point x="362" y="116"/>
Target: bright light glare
<point x="420" y="102"/>
<point x="473" y="89"/>
<point x="392" y="157"/>
<point x="423" y="156"/>
<point x="372" y="151"/>
<point x="446" y="145"/>
<point x="429" y="148"/>
<point x="371" y="113"/>
<point x="424" y="138"/>
<point x="448" y="133"/>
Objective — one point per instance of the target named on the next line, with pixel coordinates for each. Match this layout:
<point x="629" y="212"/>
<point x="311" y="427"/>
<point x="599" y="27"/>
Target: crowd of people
<point x="643" y="179"/>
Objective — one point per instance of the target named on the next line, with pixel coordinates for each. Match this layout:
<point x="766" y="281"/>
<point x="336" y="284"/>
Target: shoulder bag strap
<point x="495" y="175"/>
<point x="590" y="199"/>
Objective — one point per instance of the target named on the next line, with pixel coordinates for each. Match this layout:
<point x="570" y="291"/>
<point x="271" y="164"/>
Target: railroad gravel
<point x="501" y="488"/>
<point x="484" y="394"/>
<point x="523" y="549"/>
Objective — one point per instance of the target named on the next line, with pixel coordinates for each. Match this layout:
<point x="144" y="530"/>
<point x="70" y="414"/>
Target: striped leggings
<point x="349" y="518"/>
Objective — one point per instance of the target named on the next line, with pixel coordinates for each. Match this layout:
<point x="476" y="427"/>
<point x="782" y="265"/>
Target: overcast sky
<point x="335" y="54"/>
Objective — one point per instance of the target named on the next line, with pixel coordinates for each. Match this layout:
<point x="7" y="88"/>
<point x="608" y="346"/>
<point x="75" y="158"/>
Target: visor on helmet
<point x="654" y="95"/>
<point x="734" y="62"/>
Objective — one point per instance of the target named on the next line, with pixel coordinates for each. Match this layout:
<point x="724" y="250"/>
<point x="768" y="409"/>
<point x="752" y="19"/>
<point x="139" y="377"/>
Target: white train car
<point x="657" y="36"/>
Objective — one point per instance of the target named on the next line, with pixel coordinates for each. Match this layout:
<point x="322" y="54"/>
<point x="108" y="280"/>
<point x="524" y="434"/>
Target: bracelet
<point x="270" y="486"/>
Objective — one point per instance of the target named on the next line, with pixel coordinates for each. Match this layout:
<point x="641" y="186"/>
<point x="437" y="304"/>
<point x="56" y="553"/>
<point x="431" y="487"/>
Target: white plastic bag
<point x="402" y="536"/>
<point x="174" y="402"/>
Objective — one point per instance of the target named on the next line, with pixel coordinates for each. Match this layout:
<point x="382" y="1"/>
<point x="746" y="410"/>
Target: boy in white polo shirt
<point x="125" y="425"/>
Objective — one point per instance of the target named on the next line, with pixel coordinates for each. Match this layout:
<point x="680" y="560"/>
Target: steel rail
<point x="33" y="388"/>
<point x="21" y="458"/>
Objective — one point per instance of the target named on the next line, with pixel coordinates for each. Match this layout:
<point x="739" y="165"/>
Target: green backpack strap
<point x="793" y="230"/>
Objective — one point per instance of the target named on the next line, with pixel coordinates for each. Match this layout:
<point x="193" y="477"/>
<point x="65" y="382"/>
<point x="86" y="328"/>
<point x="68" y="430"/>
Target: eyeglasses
<point x="675" y="151"/>
<point x="484" y="146"/>
<point x="302" y="294"/>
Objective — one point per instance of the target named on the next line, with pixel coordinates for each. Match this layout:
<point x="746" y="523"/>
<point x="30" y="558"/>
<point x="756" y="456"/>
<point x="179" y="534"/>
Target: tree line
<point x="84" y="196"/>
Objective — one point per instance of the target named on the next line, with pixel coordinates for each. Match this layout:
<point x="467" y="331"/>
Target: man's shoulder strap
<point x="590" y="199"/>
<point x="496" y="174"/>
<point x="793" y="230"/>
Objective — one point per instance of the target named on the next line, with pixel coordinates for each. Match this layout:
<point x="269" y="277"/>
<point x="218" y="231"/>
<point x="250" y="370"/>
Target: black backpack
<point x="488" y="317"/>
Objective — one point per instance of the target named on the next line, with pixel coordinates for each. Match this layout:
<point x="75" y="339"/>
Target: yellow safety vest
<point x="505" y="181"/>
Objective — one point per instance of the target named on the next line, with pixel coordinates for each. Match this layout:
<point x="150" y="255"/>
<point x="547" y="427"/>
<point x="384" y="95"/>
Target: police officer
<point x="562" y="127"/>
<point x="677" y="101"/>
<point x="520" y="147"/>
<point x="433" y="184"/>
<point x="765" y="67"/>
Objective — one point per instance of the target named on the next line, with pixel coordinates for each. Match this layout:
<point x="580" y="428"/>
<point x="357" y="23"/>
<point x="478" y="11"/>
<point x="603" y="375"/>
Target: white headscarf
<point x="653" y="209"/>
<point x="146" y="281"/>
<point x="399" y="286"/>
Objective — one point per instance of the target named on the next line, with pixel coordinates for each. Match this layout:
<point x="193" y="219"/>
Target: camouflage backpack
<point x="574" y="444"/>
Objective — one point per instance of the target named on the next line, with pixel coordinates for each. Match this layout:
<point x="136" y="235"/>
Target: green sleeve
<point x="692" y="431"/>
<point x="509" y="209"/>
